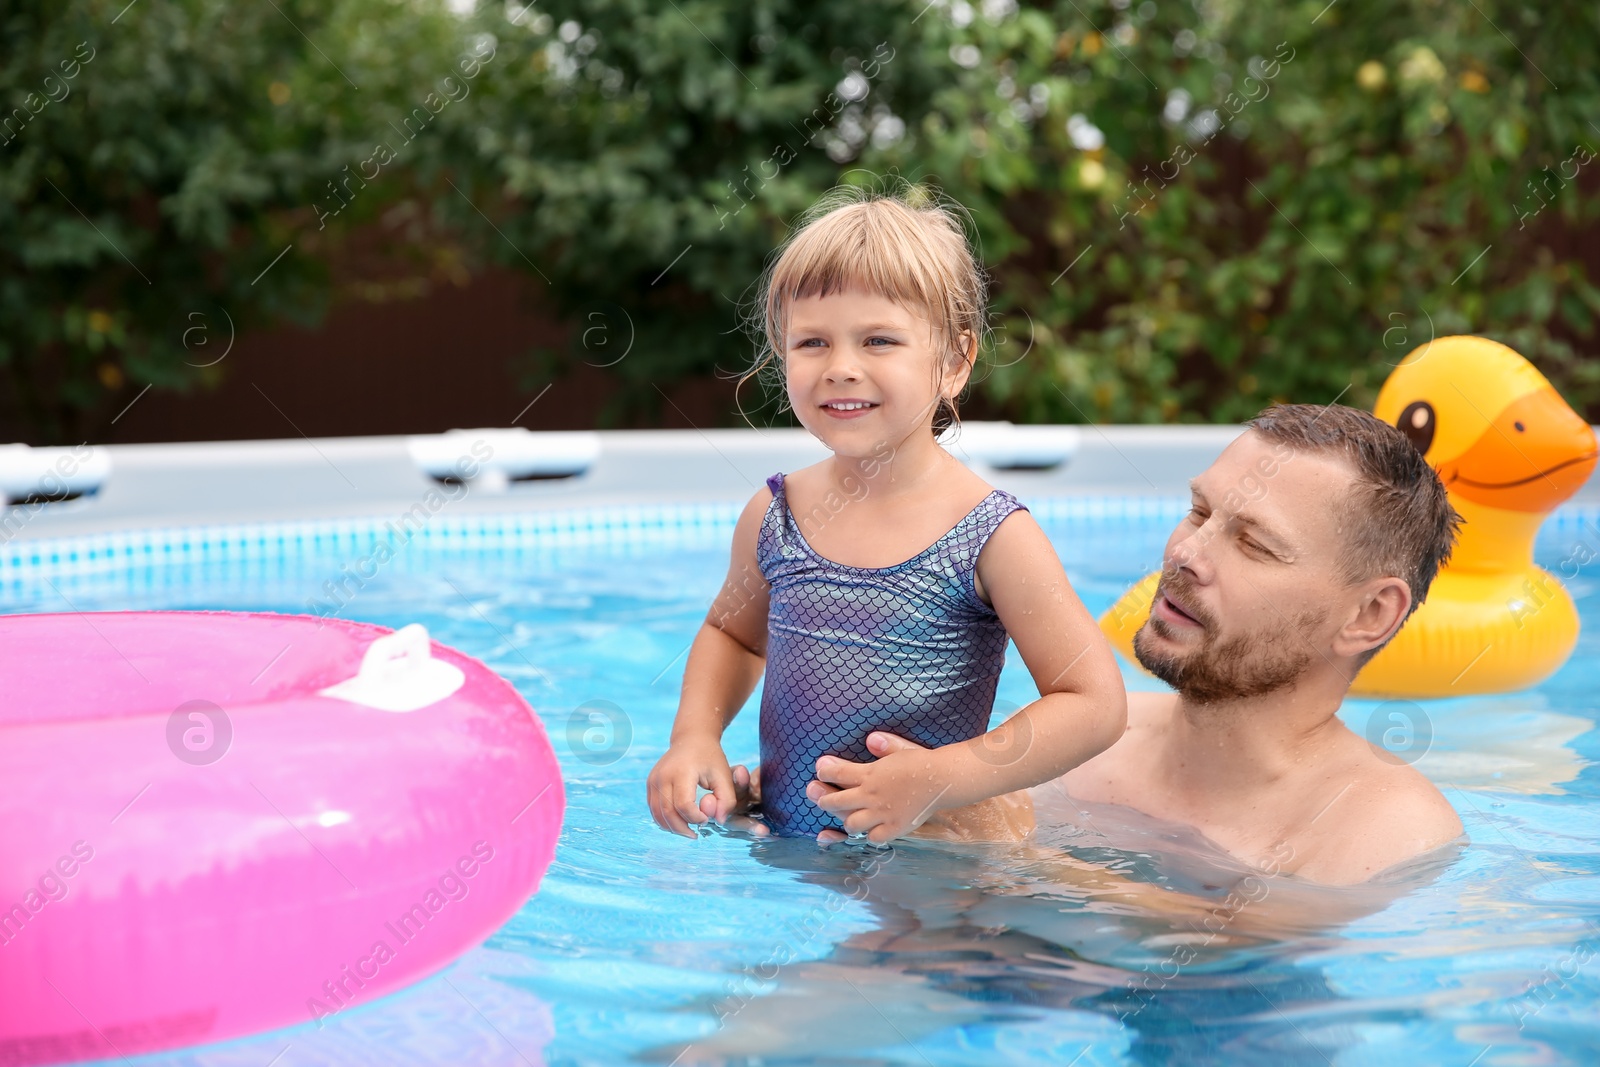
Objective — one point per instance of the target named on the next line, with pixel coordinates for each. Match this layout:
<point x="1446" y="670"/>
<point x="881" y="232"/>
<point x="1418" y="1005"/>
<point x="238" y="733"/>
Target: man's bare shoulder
<point x="1114" y="775"/>
<point x="1387" y="814"/>
<point x="1150" y="711"/>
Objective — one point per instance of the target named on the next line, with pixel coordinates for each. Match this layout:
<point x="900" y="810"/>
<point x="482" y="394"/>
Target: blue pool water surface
<point x="643" y="947"/>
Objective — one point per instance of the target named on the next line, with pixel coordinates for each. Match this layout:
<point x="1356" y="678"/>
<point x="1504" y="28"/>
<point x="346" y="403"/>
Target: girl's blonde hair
<point x="908" y="245"/>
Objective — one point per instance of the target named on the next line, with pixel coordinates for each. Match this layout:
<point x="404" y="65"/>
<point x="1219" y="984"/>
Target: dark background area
<point x="411" y="217"/>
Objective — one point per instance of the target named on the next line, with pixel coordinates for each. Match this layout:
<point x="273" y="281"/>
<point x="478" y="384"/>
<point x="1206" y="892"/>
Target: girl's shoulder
<point x="813" y="477"/>
<point x="967" y="484"/>
<point x="755" y="510"/>
<point x="956" y="493"/>
<point x="758" y="503"/>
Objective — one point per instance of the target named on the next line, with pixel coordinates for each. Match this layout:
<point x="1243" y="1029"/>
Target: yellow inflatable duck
<point x="1509" y="450"/>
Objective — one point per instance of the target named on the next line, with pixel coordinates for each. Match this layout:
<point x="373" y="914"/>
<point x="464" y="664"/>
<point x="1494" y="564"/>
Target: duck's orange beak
<point x="1535" y="454"/>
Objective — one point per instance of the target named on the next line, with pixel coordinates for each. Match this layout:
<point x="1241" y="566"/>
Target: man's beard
<point x="1236" y="668"/>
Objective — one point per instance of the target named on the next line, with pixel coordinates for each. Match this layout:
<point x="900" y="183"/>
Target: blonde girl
<point x="875" y="591"/>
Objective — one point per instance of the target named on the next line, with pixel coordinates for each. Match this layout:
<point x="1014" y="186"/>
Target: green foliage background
<point x="1369" y="175"/>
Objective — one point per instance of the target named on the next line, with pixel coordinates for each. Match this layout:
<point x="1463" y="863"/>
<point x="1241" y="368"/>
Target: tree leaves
<point x="1189" y="209"/>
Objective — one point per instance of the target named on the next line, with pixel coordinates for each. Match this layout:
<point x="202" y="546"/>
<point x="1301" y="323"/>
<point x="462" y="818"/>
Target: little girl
<point x="875" y="590"/>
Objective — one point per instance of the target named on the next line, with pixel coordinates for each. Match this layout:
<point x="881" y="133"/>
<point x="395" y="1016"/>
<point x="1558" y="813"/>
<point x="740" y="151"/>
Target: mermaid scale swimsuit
<point x="908" y="649"/>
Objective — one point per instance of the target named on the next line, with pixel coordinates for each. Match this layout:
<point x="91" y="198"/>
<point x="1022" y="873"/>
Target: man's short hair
<point x="1401" y="522"/>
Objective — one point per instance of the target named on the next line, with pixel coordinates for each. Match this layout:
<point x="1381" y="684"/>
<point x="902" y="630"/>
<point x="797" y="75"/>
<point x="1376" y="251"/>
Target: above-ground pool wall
<point x="158" y="485"/>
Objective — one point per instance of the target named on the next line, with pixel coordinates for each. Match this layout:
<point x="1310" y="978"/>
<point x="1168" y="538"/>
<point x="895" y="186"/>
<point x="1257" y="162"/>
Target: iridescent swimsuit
<point x="908" y="649"/>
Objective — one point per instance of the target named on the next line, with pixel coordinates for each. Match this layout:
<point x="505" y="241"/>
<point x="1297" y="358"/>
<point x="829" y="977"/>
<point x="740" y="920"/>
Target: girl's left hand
<point x="884" y="799"/>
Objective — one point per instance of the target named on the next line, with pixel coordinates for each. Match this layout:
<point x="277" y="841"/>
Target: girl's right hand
<point x="747" y="797"/>
<point x="678" y="776"/>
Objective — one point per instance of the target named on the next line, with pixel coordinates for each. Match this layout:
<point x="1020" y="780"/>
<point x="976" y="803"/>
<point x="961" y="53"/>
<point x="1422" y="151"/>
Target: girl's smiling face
<point x="863" y="371"/>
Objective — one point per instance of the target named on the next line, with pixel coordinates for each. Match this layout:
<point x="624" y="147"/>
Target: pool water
<point x="643" y="947"/>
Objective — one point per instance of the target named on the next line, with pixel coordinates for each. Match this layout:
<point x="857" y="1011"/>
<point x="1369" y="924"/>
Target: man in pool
<point x="1310" y="541"/>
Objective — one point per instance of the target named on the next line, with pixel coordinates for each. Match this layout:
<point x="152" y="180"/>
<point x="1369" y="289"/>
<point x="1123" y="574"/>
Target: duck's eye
<point x="1417" y="422"/>
<point x="1519" y="426"/>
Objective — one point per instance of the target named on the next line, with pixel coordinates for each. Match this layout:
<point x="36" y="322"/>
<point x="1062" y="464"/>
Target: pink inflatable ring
<point x="219" y="823"/>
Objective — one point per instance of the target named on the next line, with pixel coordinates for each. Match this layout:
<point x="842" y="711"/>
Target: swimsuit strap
<point x="963" y="544"/>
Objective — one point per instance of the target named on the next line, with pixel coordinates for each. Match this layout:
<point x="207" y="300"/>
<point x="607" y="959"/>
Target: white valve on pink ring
<point x="398" y="673"/>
